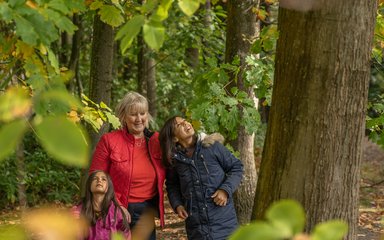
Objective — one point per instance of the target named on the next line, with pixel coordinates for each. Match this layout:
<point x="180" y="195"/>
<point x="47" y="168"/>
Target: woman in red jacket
<point x="132" y="157"/>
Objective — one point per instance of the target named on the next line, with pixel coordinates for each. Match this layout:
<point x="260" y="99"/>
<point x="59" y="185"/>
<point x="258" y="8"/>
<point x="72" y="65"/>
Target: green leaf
<point x="6" y="12"/>
<point x="25" y="30"/>
<point x="331" y="230"/>
<point x="10" y="136"/>
<point x="287" y="216"/>
<point x="15" y="3"/>
<point x="129" y="31"/>
<point x="60" y="96"/>
<point x="96" y="5"/>
<point x="255" y="231"/>
<point x="62" y="22"/>
<point x="64" y="140"/>
<point x="154" y="33"/>
<point x="53" y="60"/>
<point x="189" y="7"/>
<point x="113" y="120"/>
<point x="111" y="15"/>
<point x="148" y="6"/>
<point x="162" y="10"/>
<point x="59" y="5"/>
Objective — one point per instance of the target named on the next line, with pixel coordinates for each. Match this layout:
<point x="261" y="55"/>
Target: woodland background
<point x="297" y="84"/>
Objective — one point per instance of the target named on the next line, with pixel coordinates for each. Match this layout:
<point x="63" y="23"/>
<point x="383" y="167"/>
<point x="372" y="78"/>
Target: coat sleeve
<point x="173" y="188"/>
<point x="100" y="158"/>
<point x="231" y="166"/>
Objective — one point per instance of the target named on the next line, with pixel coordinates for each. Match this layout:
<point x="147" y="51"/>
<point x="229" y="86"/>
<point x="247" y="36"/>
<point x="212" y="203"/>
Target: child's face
<point x="99" y="183"/>
<point x="183" y="129"/>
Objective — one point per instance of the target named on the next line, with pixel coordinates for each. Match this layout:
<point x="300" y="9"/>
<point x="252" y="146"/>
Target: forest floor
<point x="371" y="211"/>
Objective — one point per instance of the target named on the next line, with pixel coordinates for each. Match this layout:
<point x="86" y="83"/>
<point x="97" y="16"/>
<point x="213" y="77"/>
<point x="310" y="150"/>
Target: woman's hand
<point x="220" y="197"/>
<point x="180" y="210"/>
<point x="126" y="214"/>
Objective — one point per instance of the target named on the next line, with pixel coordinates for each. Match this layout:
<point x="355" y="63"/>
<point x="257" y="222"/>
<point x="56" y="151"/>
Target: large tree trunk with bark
<point x="313" y="144"/>
<point x="147" y="75"/>
<point x="101" y="75"/>
<point x="73" y="64"/>
<point x="101" y="69"/>
<point x="242" y="27"/>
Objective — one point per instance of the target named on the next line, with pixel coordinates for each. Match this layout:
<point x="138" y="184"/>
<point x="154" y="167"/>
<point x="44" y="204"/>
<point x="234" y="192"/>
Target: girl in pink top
<point x="101" y="209"/>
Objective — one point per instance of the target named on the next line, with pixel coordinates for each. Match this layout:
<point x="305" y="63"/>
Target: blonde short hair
<point x="131" y="101"/>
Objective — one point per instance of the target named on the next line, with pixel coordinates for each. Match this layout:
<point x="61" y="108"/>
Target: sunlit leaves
<point x="287" y="217"/>
<point x="10" y="136"/>
<point x="256" y="230"/>
<point x="286" y="220"/>
<point x="111" y="15"/>
<point x="97" y="114"/>
<point x="64" y="140"/>
<point x="37" y="24"/>
<point x="162" y="10"/>
<point x="331" y="230"/>
<point x="154" y="33"/>
<point x="189" y="7"/>
<point x="129" y="31"/>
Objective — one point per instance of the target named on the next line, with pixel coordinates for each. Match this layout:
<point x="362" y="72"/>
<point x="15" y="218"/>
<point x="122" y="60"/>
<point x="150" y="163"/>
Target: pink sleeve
<point x="100" y="158"/>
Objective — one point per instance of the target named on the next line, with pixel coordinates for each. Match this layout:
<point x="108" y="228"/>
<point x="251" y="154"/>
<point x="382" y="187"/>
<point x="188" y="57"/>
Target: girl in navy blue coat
<point x="201" y="178"/>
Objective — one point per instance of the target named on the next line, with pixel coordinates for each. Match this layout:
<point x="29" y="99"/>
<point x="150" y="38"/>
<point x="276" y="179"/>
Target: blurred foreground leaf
<point x="10" y="136"/>
<point x="332" y="230"/>
<point x="12" y="232"/>
<point x="64" y="140"/>
<point x="53" y="223"/>
<point x="287" y="216"/>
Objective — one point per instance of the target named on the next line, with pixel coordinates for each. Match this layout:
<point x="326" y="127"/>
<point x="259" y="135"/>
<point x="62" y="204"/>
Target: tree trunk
<point x="101" y="73"/>
<point x="147" y="75"/>
<point x="313" y="144"/>
<point x="73" y="64"/>
<point x="241" y="26"/>
<point x="20" y="163"/>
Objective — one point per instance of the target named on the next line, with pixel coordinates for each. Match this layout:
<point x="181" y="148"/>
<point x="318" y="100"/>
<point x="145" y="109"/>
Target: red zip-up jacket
<point x="114" y="155"/>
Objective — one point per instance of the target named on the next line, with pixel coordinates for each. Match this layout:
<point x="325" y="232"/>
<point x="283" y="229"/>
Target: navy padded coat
<point x="192" y="181"/>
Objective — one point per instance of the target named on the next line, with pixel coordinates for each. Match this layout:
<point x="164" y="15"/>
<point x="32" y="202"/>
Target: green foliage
<point x="10" y="136"/>
<point x="218" y="108"/>
<point x="129" y="31"/>
<point x="40" y="94"/>
<point x="286" y="220"/>
<point x="149" y="17"/>
<point x="45" y="180"/>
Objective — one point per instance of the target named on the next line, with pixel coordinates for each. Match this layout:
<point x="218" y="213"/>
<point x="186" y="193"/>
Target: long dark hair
<point x="167" y="145"/>
<point x="87" y="207"/>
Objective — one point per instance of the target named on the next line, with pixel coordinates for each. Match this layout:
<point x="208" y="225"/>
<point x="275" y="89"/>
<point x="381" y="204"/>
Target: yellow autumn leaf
<point x="15" y="103"/>
<point x="73" y="116"/>
<point x="24" y="50"/>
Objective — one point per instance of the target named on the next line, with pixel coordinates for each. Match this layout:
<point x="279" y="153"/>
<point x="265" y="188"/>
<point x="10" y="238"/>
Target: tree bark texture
<point x="147" y="75"/>
<point x="313" y="143"/>
<point x="101" y="68"/>
<point x="73" y="63"/>
<point x="20" y="163"/>
<point x="241" y="28"/>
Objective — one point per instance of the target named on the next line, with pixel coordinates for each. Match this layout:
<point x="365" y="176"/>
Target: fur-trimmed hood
<point x="209" y="140"/>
